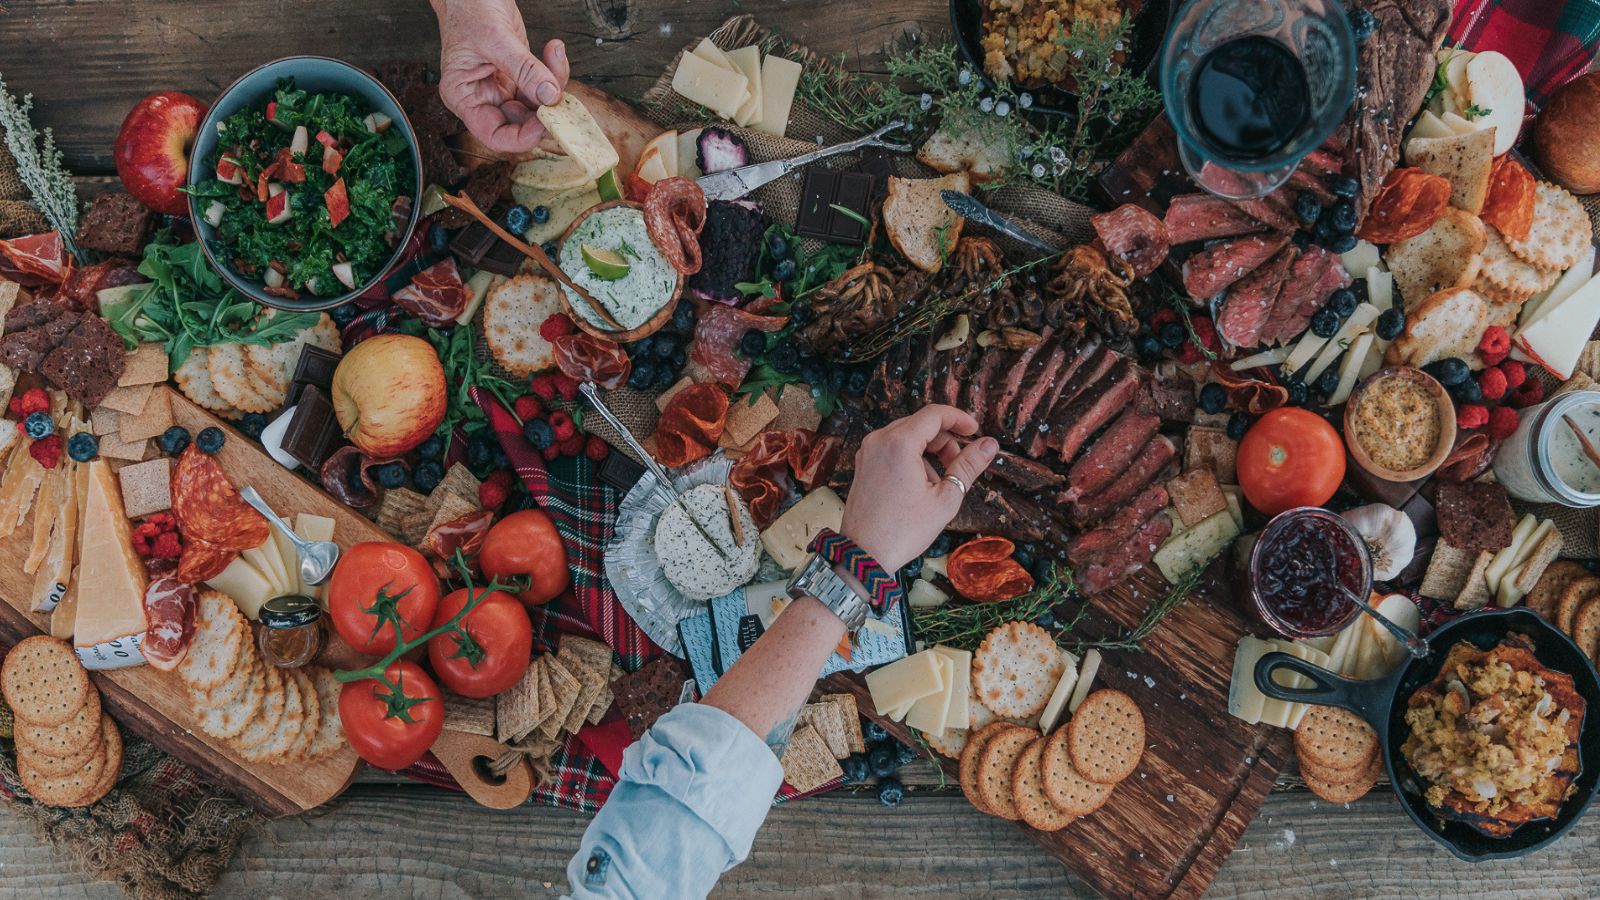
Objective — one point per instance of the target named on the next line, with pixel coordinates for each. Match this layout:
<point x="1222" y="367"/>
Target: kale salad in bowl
<point x="303" y="183"/>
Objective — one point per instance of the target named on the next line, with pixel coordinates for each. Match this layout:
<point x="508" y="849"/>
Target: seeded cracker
<point x="807" y="764"/>
<point x="852" y="720"/>
<point x="458" y="481"/>
<point x="829" y="723"/>
<point x="400" y="513"/>
<point x="996" y="765"/>
<point x="512" y="713"/>
<point x="146" y="487"/>
<point x="592" y="681"/>
<point x="43" y="682"/>
<point x="1105" y="737"/>
<point x="1447" y="572"/>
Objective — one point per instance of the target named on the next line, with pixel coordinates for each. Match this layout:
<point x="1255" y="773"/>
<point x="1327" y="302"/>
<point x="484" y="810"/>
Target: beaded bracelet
<point x="884" y="590"/>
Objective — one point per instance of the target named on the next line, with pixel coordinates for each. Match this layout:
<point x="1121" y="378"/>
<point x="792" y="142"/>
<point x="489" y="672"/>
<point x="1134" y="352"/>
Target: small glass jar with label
<point x="1554" y="455"/>
<point x="292" y="631"/>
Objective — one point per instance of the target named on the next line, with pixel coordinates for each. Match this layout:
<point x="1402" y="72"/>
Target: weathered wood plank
<point x="102" y="57"/>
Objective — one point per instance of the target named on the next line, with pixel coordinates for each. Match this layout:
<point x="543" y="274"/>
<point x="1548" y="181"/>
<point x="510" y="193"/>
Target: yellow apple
<point x="389" y="394"/>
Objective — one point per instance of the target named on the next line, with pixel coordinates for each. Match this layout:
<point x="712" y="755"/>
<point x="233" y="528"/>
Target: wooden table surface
<point x="87" y="62"/>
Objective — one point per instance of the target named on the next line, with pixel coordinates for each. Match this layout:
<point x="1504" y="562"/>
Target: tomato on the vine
<point x="527" y="543"/>
<point x="374" y="582"/>
<point x="498" y="652"/>
<point x="392" y="728"/>
<point x="1290" y="457"/>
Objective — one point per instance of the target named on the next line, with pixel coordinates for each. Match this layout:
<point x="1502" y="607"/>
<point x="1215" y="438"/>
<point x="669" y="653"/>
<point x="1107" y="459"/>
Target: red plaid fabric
<point x="1550" y="42"/>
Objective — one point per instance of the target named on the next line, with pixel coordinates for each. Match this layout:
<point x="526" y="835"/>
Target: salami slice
<point x="202" y="560"/>
<point x="674" y="213"/>
<point x="169" y="612"/>
<point x="592" y="359"/>
<point x="209" y="508"/>
<point x="1133" y="234"/>
<point x="716" y="340"/>
<point x="436" y="295"/>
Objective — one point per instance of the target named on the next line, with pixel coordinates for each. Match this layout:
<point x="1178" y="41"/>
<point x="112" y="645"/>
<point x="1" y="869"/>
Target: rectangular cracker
<point x="146" y="364"/>
<point x="796" y="409"/>
<point x="1196" y="495"/>
<point x="113" y="446"/>
<point x="1211" y="448"/>
<point x="154" y="419"/>
<point x="1447" y="571"/>
<point x="828" y="720"/>
<point x="1475" y="594"/>
<point x="146" y="487"/>
<point x="472" y="715"/>
<point x="746" y="420"/>
<point x="807" y="762"/>
<point x="104" y="420"/>
<point x="852" y="719"/>
<point x="400" y="514"/>
<point x="459" y="482"/>
<point x="566" y="688"/>
<point x="130" y="400"/>
<point x="516" y="711"/>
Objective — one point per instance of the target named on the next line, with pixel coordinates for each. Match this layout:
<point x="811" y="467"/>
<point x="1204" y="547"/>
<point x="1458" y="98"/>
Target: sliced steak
<point x="1307" y="182"/>
<point x="979" y="389"/>
<point x="1091" y="411"/>
<point x="1085" y="370"/>
<point x="991" y="509"/>
<point x="1214" y="269"/>
<point x="1111" y="453"/>
<point x="1101" y="543"/>
<point x="1249" y="302"/>
<point x="1320" y="283"/>
<point x="920" y="373"/>
<point x="1147" y="465"/>
<point x="1394" y="69"/>
<point x="1302" y="281"/>
<point x="953" y="377"/>
<point x="1275" y="209"/>
<point x="1134" y="235"/>
<point x="1202" y="217"/>
<point x="1024" y="474"/>
<point x="1006" y="390"/>
<point x="1127" y="559"/>
<point x="1041" y="380"/>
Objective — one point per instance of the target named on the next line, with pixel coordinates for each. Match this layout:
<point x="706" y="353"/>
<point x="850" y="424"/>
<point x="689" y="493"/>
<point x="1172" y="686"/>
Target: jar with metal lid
<point x="292" y="631"/>
<point x="1552" y="457"/>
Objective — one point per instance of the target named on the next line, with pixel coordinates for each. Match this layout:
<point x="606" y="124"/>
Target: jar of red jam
<point x="1296" y="568"/>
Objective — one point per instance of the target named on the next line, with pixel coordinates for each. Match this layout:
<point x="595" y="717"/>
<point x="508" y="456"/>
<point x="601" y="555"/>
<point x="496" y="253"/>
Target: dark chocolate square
<point x="315" y="367"/>
<point x="822" y="190"/>
<point x="313" y="431"/>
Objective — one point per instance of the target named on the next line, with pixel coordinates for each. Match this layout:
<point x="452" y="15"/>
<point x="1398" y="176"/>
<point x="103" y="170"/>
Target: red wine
<point x="1249" y="98"/>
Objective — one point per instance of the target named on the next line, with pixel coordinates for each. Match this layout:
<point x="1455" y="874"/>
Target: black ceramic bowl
<point x="1382" y="703"/>
<point x="1150" y="20"/>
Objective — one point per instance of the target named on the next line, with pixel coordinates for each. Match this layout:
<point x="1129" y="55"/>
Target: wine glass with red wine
<point x="1252" y="86"/>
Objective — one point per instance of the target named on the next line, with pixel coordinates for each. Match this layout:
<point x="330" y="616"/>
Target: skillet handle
<point x="1364" y="698"/>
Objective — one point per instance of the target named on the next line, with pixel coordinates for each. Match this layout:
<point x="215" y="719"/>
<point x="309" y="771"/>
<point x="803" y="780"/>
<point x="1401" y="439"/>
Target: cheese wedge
<point x="1057" y="704"/>
<point x="18" y="488"/>
<point x="64" y="616"/>
<point x="290" y="558"/>
<point x="779" y="79"/>
<point x="313" y="528"/>
<point x="51" y="490"/>
<point x="787" y="538"/>
<point x="748" y="61"/>
<point x="51" y="582"/>
<point x="579" y="135"/>
<point x="1430" y="126"/>
<point x="110" y="624"/>
<point x="929" y="713"/>
<point x="905" y="681"/>
<point x="960" y="711"/>
<point x="1080" y="691"/>
<point x="247" y="585"/>
<point x="720" y="90"/>
<point x="1557" y="337"/>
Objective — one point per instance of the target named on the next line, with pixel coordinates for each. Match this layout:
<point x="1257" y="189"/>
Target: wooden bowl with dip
<point x="1400" y="425"/>
<point x="570" y="258"/>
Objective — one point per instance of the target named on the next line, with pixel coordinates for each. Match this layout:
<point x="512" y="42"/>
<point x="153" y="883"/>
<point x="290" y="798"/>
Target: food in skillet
<point x="1022" y="38"/>
<point x="1494" y="737"/>
<point x="311" y="192"/>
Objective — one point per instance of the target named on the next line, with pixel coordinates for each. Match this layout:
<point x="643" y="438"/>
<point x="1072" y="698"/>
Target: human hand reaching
<point x="898" y="501"/>
<point x="489" y="76"/>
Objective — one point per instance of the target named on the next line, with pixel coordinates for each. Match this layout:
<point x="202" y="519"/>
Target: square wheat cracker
<point x="146" y="487"/>
<point x="129" y="400"/>
<point x="852" y="719"/>
<point x="517" y="710"/>
<point x="807" y="762"/>
<point x="827" y="719"/>
<point x="565" y="687"/>
<point x="470" y="715"/>
<point x="146" y="364"/>
<point x="1447" y="571"/>
<point x="156" y="418"/>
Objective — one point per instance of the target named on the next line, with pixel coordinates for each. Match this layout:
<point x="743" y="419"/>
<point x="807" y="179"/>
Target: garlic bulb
<point x="1390" y="537"/>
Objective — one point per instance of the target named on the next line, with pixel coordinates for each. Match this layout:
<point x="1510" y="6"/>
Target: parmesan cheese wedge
<point x="110" y="621"/>
<point x="53" y="578"/>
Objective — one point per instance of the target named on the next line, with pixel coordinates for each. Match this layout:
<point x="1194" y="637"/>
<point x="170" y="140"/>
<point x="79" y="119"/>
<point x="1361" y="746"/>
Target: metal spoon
<point x="1415" y="645"/>
<point x="317" y="558"/>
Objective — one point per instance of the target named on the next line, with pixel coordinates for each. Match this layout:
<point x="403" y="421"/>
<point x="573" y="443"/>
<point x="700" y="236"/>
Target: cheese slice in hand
<point x="905" y="681"/>
<point x="290" y="560"/>
<point x="579" y="135"/>
<point x="720" y="90"/>
<point x="110" y="624"/>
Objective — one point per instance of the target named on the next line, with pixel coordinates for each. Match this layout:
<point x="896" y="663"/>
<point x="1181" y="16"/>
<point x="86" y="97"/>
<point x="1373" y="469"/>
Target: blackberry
<point x="1391" y="322"/>
<point x="1238" y="424"/>
<point x="1213" y="398"/>
<point x="427" y="475"/>
<point x="872" y="731"/>
<point x="390" y="475"/>
<point x="541" y="215"/>
<point x="1172" y="335"/>
<point x="1325" y="324"/>
<point x="174" y="440"/>
<point x="539" y="433"/>
<point x="784" y="270"/>
<point x="83" y="446"/>
<point x="252" y="425"/>
<point x="882" y="760"/>
<point x="39" y="425"/>
<point x="856" y="769"/>
<point x="642" y="376"/>
<point x="518" y="219"/>
<point x="753" y="344"/>
<point x="891" y="792"/>
<point x="1307" y="209"/>
<point x="210" y="439"/>
<point x="1343" y="302"/>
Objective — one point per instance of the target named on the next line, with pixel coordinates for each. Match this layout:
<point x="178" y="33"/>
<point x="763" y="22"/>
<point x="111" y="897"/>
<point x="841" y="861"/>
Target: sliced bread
<point x="1466" y="160"/>
<point x="919" y="224"/>
<point x="957" y="145"/>
<point x="512" y="313"/>
<point x="1447" y="324"/>
<point x="1448" y="255"/>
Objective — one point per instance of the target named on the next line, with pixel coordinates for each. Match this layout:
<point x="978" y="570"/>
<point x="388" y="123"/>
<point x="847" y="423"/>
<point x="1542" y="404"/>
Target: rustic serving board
<point x="1167" y="829"/>
<point x="154" y="704"/>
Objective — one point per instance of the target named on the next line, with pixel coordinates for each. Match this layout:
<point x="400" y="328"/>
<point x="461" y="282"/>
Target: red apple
<point x="389" y="394"/>
<point x="152" y="149"/>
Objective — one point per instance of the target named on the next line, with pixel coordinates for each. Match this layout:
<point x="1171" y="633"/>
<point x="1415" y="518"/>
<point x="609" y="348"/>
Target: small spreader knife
<point x="731" y="184"/>
<point x="968" y="207"/>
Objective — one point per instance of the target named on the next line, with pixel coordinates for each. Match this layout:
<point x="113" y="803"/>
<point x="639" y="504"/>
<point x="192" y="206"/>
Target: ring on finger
<point x="960" y="485"/>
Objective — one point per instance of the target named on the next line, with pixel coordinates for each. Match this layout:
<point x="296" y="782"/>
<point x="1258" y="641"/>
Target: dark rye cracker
<point x="1105" y="737"/>
<point x="1474" y="516"/>
<point x="996" y="767"/>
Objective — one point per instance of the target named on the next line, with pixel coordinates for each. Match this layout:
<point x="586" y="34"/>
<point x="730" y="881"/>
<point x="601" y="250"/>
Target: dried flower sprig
<point x="40" y="166"/>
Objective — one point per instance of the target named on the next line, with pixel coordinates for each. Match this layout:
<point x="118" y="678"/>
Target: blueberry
<point x="680" y="358"/>
<point x="777" y="246"/>
<point x="1450" y="372"/>
<point x="83" y="446"/>
<point x="814" y="372"/>
<point x="872" y="731"/>
<point x="541" y="215"/>
<point x="905" y="754"/>
<point x="784" y="270"/>
<point x="642" y="376"/>
<point x="1046" y="619"/>
<point x="910" y="571"/>
<point x="1025" y="556"/>
<point x="1324" y="230"/>
<point x="390" y="475"/>
<point x="431" y="448"/>
<point x="838" y="379"/>
<point x="1343" y="243"/>
<point x="210" y="439"/>
<point x="1301" y="239"/>
<point x="1343" y="186"/>
<point x="39" y="425"/>
<point x="427" y="475"/>
<point x="1343" y="302"/>
<point x="174" y="440"/>
<point x="856" y="769"/>
<point x="1307" y="209"/>
<point x="1344" y="217"/>
<point x="550" y="249"/>
<point x="942" y="545"/>
<point x="479" y="454"/>
<point x="518" y="219"/>
<point x="1148" y="347"/>
<point x="1213" y="398"/>
<point x="344" y="315"/>
<point x="1041" y="570"/>
<point x="1238" y="424"/>
<point x="438" y="239"/>
<point x="891" y="792"/>
<point x="882" y="760"/>
<point x="1359" y="288"/>
<point x="753" y="344"/>
<point x="666" y="376"/>
<point x="683" y="318"/>
<point x="801" y="314"/>
<point x="1391" y="322"/>
<point x="857" y="383"/>
<point x="1172" y="335"/>
<point x="1325" y="324"/>
<point x="1362" y="24"/>
<point x="539" y="433"/>
<point x="1329" y="382"/>
<point x="1298" y="392"/>
<point x="784" y="359"/>
<point x="664" y="347"/>
<point x="252" y="425"/>
<point x="1467" y="391"/>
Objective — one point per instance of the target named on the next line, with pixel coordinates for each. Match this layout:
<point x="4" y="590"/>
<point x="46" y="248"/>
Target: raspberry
<point x="1492" y="382"/>
<point x="567" y="387"/>
<point x="1163" y="315"/>
<point x="33" y="400"/>
<point x="1472" y="416"/>
<point x="561" y="423"/>
<point x="528" y="407"/>
<point x="551" y="452"/>
<point x="1502" y="422"/>
<point x="1494" y="345"/>
<point x="544" y="386"/>
<point x="572" y="446"/>
<point x="1206" y="332"/>
<point x="147" y="530"/>
<point x="491" y="494"/>
<point x="1516" y="373"/>
<point x="166" y="546"/>
<point x="47" y="451"/>
<point x="1531" y="392"/>
<point x="163" y="520"/>
<point x="141" y="545"/>
<point x="596" y="449"/>
<point x="556" y="326"/>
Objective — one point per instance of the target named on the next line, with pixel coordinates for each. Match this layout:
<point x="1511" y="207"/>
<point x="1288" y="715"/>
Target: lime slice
<point x="609" y="186"/>
<point x="605" y="264"/>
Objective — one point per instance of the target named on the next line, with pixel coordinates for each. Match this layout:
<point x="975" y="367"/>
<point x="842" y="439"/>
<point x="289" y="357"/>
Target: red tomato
<point x="392" y="733"/>
<point x="499" y="627"/>
<point x="1290" y="457"/>
<point x="527" y="543"/>
<point x="366" y="571"/>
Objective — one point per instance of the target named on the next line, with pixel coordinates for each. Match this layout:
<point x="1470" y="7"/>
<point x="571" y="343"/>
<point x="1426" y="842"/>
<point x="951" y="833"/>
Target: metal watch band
<point x="818" y="579"/>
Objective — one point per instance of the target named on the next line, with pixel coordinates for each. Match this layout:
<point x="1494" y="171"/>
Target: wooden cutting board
<point x="153" y="704"/>
<point x="1168" y="827"/>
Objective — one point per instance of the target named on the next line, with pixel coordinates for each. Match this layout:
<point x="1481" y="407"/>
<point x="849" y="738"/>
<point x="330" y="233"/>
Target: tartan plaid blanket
<point x="1550" y="42"/>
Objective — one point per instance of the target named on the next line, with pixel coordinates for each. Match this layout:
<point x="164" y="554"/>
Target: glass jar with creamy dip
<point x="1544" y="460"/>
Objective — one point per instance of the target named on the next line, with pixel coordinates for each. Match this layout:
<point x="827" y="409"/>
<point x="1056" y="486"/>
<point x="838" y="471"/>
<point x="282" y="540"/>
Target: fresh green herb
<point x="463" y="370"/>
<point x="964" y="625"/>
<point x="941" y="237"/>
<point x="40" y="167"/>
<point x="1441" y="79"/>
<point x="851" y="214"/>
<point x="763" y="377"/>
<point x="1474" y="111"/>
<point x="188" y="305"/>
<point x="1181" y="306"/>
<point x="1133" y="638"/>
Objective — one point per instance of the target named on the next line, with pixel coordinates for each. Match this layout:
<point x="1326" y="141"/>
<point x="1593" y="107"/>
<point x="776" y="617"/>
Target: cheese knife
<point x="731" y="184"/>
<point x="969" y="207"/>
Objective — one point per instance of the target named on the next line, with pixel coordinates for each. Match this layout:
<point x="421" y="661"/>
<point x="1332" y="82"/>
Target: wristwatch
<point x="818" y="579"/>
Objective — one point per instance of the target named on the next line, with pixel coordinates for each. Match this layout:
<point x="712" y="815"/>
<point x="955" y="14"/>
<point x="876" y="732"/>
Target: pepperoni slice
<point x="202" y="560"/>
<point x="674" y="213"/>
<point x="169" y="612"/>
<point x="209" y="508"/>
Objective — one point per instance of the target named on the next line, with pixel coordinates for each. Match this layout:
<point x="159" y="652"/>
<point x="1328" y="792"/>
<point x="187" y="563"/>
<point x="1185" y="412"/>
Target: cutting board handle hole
<point x="481" y="766"/>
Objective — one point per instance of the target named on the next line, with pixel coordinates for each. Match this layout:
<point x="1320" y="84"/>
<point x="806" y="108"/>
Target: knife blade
<point x="731" y="184"/>
<point x="968" y="207"/>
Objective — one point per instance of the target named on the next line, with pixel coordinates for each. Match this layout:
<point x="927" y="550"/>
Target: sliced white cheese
<point x="936" y="565"/>
<point x="1456" y="123"/>
<point x="1398" y="609"/>
<point x="290" y="559"/>
<point x="1057" y="703"/>
<point x="1556" y="337"/>
<point x="314" y="528"/>
<point x="905" y="681"/>
<point x="1358" y="259"/>
<point x="748" y="61"/>
<point x="1315" y="657"/>
<point x="666" y="145"/>
<point x="1350" y="368"/>
<point x="1192" y="549"/>
<point x="248" y="587"/>
<point x="1230" y="494"/>
<point x="1269" y="357"/>
<point x="928" y="713"/>
<point x="1339" y="654"/>
<point x="1507" y="557"/>
<point x="1507" y="593"/>
<point x="1245" y="701"/>
<point x="1380" y="288"/>
<point x="477" y="288"/>
<point x="960" y="713"/>
<point x="779" y="79"/>
<point x="1567" y="285"/>
<point x="1304" y="351"/>
<point x="1086" y="674"/>
<point x="267" y="561"/>
<point x="651" y="166"/>
<point x="1359" y="321"/>
<point x="720" y="90"/>
<point x="1430" y="126"/>
<point x="579" y="135"/>
<point x="925" y="594"/>
<point x="713" y="54"/>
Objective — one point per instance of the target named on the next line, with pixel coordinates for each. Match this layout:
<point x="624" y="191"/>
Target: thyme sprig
<point x="40" y="167"/>
<point x="1133" y="638"/>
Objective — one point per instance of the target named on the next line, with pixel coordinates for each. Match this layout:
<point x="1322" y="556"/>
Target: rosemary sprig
<point x="1181" y="306"/>
<point x="964" y="625"/>
<point x="39" y="165"/>
<point x="1133" y="638"/>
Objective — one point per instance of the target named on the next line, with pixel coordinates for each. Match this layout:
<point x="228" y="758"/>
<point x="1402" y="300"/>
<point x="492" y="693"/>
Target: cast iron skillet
<point x="1150" y="20"/>
<point x="1382" y="704"/>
